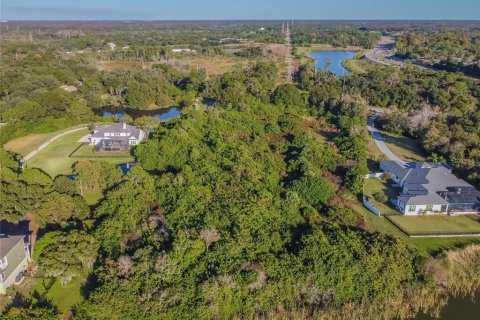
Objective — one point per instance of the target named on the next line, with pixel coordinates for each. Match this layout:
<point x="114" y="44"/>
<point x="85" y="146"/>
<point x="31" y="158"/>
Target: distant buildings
<point x="183" y="50"/>
<point x="431" y="188"/>
<point x="116" y="138"/>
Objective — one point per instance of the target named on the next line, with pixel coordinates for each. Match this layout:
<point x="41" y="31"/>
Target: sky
<point x="239" y="9"/>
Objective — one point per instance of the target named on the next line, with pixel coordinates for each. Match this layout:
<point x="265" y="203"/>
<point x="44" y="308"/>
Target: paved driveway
<point x="380" y="141"/>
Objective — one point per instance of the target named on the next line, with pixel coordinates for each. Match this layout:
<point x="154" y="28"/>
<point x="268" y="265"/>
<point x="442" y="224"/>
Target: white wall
<point x="419" y="207"/>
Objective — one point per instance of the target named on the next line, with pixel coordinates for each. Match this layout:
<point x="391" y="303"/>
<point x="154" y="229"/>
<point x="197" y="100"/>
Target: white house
<point x="117" y="137"/>
<point x="14" y="259"/>
<point x="431" y="188"/>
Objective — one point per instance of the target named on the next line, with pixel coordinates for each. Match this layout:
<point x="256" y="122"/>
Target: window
<point x="2" y="276"/>
<point x="412" y="208"/>
<point x="3" y="263"/>
<point x="429" y="207"/>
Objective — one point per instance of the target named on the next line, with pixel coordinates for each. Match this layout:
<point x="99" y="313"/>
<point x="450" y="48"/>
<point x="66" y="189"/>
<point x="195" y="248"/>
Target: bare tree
<point x="125" y="266"/>
<point x="210" y="236"/>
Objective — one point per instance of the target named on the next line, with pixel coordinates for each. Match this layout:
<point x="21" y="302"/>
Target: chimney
<point x="124" y="126"/>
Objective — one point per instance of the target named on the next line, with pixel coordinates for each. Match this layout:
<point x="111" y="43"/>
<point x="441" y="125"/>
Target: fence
<point x="370" y="206"/>
<point x="374" y="175"/>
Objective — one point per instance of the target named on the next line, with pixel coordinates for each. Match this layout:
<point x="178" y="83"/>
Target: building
<point x="116" y="138"/>
<point x="14" y="259"/>
<point x="431" y="188"/>
<point x="183" y="50"/>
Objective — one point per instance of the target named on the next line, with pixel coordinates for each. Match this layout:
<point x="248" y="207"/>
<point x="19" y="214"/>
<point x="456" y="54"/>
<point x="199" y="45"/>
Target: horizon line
<point x="240" y="19"/>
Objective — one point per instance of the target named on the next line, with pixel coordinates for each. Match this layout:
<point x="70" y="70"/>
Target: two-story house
<point x="14" y="259"/>
<point x="117" y="137"/>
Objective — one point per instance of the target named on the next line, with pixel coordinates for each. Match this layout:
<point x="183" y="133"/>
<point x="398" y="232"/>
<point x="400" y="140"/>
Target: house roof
<point x="7" y="243"/>
<point x="117" y="128"/>
<point x="430" y="182"/>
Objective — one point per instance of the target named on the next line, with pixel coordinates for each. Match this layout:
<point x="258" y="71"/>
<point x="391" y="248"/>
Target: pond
<point x="332" y="61"/>
<point x="162" y="114"/>
<point x="464" y="308"/>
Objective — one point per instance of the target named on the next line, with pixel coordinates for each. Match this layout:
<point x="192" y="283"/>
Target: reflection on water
<point x="119" y="112"/>
<point x="332" y="61"/>
<point x="460" y="308"/>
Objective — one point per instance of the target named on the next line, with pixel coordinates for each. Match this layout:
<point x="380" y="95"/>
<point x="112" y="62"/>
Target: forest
<point x="455" y="51"/>
<point x="249" y="209"/>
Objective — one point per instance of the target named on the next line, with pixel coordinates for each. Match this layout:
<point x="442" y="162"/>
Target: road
<point x="379" y="140"/>
<point x="46" y="144"/>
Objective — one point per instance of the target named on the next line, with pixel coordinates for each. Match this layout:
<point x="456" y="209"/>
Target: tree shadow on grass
<point x="89" y="285"/>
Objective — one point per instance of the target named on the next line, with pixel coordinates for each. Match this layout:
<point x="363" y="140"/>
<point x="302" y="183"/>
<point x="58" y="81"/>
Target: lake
<point x="332" y="61"/>
<point x="162" y="114"/>
<point x="463" y="308"/>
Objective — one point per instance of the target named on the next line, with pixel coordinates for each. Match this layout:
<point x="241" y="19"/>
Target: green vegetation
<point x="59" y="157"/>
<point x="54" y="159"/>
<point x="451" y="50"/>
<point x="248" y="210"/>
<point x="379" y="192"/>
<point x="435" y="225"/>
<point x="405" y="148"/>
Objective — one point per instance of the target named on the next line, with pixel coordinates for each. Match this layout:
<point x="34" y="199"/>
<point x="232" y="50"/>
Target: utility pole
<point x="288" y="56"/>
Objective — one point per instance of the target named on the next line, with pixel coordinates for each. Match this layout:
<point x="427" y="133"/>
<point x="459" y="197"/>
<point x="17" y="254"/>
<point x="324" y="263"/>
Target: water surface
<point x="119" y="112"/>
<point x="460" y="308"/>
<point x="332" y="61"/>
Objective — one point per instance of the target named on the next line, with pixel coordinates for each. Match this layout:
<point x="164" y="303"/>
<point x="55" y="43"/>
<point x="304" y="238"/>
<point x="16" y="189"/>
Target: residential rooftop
<point x="431" y="183"/>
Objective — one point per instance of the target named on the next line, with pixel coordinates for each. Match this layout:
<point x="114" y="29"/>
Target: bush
<point x="315" y="191"/>
<point x="380" y="196"/>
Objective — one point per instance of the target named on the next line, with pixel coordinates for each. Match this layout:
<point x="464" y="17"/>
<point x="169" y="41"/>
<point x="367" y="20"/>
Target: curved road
<point x="44" y="145"/>
<point x="379" y="140"/>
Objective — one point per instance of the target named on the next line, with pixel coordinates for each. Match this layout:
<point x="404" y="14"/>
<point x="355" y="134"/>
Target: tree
<point x="96" y="175"/>
<point x="66" y="254"/>
<point x="288" y="95"/>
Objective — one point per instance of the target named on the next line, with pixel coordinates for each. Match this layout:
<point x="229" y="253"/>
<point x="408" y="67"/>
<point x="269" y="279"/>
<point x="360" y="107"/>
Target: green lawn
<point x="433" y="245"/>
<point x="92" y="198"/>
<point x="55" y="159"/>
<point x="431" y="225"/>
<point x="64" y="297"/>
<point x="372" y="186"/>
<point x="430" y="245"/>
<point x="405" y="148"/>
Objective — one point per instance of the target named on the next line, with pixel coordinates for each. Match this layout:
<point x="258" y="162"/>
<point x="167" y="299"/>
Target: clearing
<point x="212" y="65"/>
<point x="436" y="225"/>
<point x="27" y="144"/>
<point x="55" y="159"/>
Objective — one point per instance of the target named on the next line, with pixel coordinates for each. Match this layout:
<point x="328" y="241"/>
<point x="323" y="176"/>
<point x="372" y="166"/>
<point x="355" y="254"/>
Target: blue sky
<point x="238" y="9"/>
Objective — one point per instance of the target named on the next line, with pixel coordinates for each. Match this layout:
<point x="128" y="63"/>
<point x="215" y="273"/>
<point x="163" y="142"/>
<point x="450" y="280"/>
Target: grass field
<point x="64" y="297"/>
<point x="431" y="225"/>
<point x="55" y="159"/>
<point x="212" y="65"/>
<point x="26" y="144"/>
<point x="429" y="245"/>
<point x="373" y="186"/>
<point x="405" y="148"/>
<point x="359" y="65"/>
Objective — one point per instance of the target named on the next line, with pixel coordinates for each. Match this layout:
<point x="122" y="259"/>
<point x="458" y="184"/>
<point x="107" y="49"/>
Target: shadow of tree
<point x="89" y="285"/>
